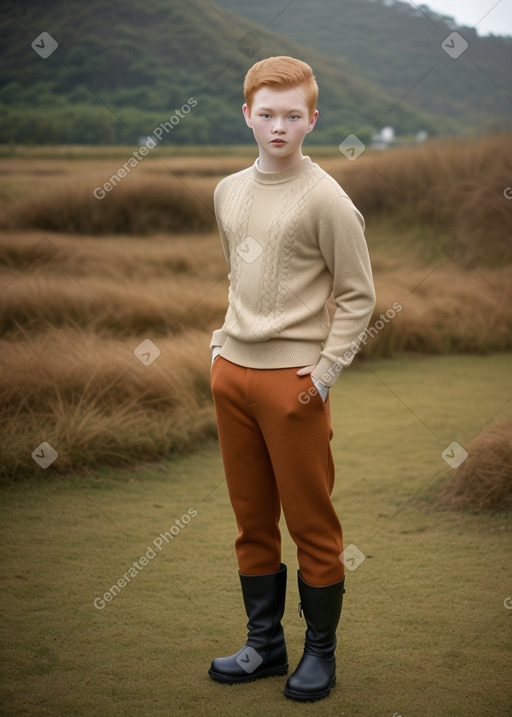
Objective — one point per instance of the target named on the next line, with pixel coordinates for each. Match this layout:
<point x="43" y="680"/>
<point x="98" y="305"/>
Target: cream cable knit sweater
<point x="290" y="239"/>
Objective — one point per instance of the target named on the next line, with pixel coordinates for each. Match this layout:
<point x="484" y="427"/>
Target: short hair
<point x="281" y="72"/>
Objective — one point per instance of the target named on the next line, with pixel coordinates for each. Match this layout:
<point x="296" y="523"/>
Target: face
<point x="279" y="120"/>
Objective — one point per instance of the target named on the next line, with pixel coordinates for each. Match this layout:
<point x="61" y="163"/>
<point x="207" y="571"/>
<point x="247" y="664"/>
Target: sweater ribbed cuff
<point x="218" y="338"/>
<point x="327" y="371"/>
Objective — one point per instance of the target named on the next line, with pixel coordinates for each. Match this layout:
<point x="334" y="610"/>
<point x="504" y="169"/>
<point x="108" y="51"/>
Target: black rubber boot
<point x="316" y="672"/>
<point x="264" y="653"/>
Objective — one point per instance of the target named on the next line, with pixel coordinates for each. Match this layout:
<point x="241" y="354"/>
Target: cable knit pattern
<point x="236" y="215"/>
<point x="292" y="238"/>
<point x="278" y="251"/>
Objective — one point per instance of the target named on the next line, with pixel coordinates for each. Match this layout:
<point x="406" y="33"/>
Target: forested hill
<point x="397" y="46"/>
<point x="109" y="71"/>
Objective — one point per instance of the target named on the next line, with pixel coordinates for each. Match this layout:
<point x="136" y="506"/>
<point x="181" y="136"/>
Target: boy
<point x="291" y="237"/>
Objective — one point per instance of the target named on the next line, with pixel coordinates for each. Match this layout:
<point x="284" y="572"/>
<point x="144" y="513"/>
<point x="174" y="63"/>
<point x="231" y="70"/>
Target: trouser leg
<point x="297" y="434"/>
<point x="249" y="474"/>
<point x="276" y="448"/>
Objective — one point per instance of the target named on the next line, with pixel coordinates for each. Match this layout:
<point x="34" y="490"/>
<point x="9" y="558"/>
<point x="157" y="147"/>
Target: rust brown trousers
<point x="275" y="433"/>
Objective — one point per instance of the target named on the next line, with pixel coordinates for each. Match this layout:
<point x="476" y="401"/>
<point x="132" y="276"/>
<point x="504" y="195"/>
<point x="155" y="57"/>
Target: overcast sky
<point x="497" y="20"/>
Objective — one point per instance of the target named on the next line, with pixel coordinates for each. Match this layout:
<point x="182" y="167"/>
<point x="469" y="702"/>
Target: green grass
<point x="424" y="630"/>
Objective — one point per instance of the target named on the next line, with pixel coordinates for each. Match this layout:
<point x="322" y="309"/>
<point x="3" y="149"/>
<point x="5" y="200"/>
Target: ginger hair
<point x="282" y="73"/>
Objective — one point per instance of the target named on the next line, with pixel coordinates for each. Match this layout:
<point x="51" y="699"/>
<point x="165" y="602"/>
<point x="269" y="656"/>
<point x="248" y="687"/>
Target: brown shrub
<point x="484" y="221"/>
<point x="444" y="311"/>
<point x="117" y="258"/>
<point x="484" y="480"/>
<point x="121" y="308"/>
<point x="452" y="188"/>
<point x="95" y="402"/>
<point x="135" y="206"/>
<point x="203" y="166"/>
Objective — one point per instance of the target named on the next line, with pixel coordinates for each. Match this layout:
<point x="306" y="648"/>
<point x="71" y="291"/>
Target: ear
<point x="247" y="115"/>
<point x="312" y="121"/>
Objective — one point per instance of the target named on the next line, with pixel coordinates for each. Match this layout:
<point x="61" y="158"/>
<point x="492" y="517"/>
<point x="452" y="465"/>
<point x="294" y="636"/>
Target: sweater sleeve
<point x="219" y="335"/>
<point x="343" y="247"/>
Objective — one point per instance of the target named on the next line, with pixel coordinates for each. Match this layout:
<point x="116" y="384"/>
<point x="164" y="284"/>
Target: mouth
<point x="278" y="142"/>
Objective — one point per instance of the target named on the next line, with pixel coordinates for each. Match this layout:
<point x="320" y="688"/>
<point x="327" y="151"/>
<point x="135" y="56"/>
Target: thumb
<point x="305" y="370"/>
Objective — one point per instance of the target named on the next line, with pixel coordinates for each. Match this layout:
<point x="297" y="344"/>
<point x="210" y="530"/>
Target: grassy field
<point x="424" y="629"/>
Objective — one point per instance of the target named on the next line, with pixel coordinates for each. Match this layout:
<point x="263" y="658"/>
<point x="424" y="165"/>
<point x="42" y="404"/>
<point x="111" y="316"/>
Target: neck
<point x="267" y="163"/>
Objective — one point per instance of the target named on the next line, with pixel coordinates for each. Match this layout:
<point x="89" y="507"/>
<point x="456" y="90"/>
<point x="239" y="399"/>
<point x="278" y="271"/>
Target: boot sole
<point x="232" y="680"/>
<point x="309" y="696"/>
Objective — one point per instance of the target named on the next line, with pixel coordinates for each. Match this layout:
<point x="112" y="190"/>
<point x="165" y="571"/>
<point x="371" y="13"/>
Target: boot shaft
<point x="264" y="600"/>
<point x="321" y="607"/>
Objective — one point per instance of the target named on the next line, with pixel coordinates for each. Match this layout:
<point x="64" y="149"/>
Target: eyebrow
<point x="269" y="109"/>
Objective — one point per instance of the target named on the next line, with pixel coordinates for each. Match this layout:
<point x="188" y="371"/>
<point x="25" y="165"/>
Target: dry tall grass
<point x="453" y="191"/>
<point x="120" y="258"/>
<point x="454" y="188"/>
<point x="71" y="314"/>
<point x="484" y="480"/>
<point x="124" y="308"/>
<point x="95" y="402"/>
<point x="135" y="206"/>
<point x="73" y="308"/>
<point x="445" y="310"/>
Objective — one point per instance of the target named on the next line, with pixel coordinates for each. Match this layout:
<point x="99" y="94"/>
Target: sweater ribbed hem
<point x="276" y="353"/>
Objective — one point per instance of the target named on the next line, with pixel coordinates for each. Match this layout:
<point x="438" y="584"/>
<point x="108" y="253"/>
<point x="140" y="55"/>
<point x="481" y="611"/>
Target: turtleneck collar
<point x="284" y="176"/>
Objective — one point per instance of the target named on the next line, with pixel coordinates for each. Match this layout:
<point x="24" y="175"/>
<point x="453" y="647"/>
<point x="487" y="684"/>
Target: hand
<point x="304" y="371"/>
<point x="322" y="389"/>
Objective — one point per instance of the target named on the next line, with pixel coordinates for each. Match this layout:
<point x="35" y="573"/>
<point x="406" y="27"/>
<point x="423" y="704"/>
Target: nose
<point x="278" y="127"/>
